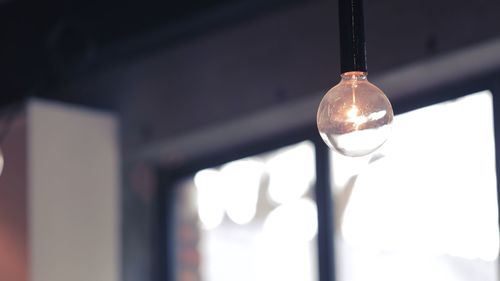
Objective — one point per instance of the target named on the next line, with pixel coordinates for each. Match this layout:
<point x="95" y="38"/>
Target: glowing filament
<point x="353" y="116"/>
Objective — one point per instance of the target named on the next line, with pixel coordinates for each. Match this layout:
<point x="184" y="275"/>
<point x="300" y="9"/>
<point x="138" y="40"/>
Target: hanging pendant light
<point x="354" y="117"/>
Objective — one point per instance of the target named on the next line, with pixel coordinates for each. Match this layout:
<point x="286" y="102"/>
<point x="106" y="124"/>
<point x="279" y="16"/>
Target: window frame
<point x="164" y="260"/>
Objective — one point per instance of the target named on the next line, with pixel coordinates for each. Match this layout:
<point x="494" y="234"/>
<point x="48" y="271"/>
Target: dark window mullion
<point x="324" y="201"/>
<point x="164" y="245"/>
<point x="496" y="121"/>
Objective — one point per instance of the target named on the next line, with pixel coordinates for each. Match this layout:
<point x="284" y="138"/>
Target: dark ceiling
<point x="45" y="44"/>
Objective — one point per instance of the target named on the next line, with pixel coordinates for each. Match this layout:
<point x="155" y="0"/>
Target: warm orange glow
<point x="354" y="117"/>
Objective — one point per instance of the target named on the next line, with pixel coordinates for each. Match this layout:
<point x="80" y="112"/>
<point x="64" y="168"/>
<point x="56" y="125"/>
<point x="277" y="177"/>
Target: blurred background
<point x="176" y="140"/>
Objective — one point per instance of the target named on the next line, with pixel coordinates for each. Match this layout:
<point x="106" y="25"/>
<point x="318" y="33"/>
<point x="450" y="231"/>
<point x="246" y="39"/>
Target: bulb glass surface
<point x="354" y="117"/>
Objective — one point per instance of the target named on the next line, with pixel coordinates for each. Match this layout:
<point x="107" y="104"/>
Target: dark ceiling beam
<point x="48" y="43"/>
<point x="405" y="82"/>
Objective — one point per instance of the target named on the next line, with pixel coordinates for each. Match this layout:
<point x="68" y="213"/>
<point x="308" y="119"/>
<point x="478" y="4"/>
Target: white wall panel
<point x="74" y="214"/>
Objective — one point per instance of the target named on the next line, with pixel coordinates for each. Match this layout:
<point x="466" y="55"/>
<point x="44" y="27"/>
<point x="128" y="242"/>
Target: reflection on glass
<point x="424" y="207"/>
<point x="250" y="219"/>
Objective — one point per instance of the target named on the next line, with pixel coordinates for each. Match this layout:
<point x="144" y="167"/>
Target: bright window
<point x="425" y="206"/>
<point x="250" y="219"/>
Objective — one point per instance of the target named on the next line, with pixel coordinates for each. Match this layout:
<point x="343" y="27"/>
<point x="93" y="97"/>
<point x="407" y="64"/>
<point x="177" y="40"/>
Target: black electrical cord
<point x="352" y="36"/>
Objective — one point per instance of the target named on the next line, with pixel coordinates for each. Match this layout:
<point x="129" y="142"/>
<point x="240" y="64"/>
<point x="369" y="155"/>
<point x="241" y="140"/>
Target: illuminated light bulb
<point x="354" y="117"/>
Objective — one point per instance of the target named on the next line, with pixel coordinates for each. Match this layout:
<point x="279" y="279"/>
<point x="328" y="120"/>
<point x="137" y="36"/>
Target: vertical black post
<point x="496" y="122"/>
<point x="166" y="228"/>
<point x="352" y="36"/>
<point x="324" y="203"/>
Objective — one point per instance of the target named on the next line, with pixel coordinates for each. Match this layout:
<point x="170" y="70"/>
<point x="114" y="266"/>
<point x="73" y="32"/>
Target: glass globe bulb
<point x="354" y="117"/>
